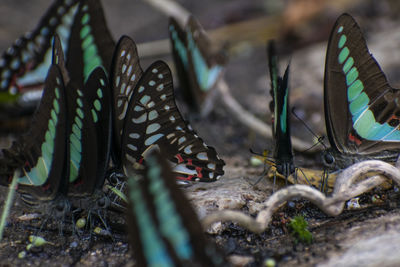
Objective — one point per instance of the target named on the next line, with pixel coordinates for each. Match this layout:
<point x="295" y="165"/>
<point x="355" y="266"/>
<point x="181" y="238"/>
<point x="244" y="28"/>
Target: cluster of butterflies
<point x="361" y="108"/>
<point x="98" y="105"/>
<point x="100" y="110"/>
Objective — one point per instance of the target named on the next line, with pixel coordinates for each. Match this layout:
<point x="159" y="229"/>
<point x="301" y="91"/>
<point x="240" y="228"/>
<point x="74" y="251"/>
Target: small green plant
<point x="298" y="225"/>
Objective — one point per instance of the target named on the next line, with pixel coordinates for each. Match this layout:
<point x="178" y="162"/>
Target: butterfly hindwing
<point x="361" y="110"/>
<point x="163" y="227"/>
<point x="125" y="73"/>
<point x="91" y="44"/>
<point x="154" y="121"/>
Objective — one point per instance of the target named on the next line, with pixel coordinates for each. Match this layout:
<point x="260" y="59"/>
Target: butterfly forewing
<point x="98" y="96"/>
<point x="163" y="227"/>
<point x="283" y="152"/>
<point x="82" y="143"/>
<point x="274" y="77"/>
<point x="43" y="148"/>
<point x="198" y="66"/>
<point x="362" y="114"/>
<point x="26" y="62"/>
<point x="153" y="121"/>
<point x="181" y="60"/>
<point x="58" y="58"/>
<point x="91" y="44"/>
<point x="125" y="74"/>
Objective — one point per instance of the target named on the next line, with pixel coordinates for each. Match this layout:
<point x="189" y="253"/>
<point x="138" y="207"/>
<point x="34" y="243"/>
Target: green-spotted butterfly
<point x="41" y="153"/>
<point x="198" y="67"/>
<point x="84" y="35"/>
<point x="66" y="151"/>
<point x="283" y="153"/>
<point x="163" y="227"/>
<point x="146" y="117"/>
<point x="361" y="109"/>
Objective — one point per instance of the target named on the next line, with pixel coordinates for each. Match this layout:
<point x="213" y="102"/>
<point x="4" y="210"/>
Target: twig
<point x="345" y="188"/>
<point x="171" y="9"/>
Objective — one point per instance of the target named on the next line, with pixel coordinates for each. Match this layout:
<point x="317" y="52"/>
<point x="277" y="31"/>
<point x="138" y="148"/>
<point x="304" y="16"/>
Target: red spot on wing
<point x="46" y="186"/>
<point x="354" y="139"/>
<point x="179" y="158"/>
<point x="188" y="178"/>
<point x="199" y="173"/>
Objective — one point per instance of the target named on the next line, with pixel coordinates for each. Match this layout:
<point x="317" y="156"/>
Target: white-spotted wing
<point x="153" y="121"/>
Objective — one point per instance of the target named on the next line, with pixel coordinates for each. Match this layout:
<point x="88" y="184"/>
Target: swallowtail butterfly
<point x="163" y="227"/>
<point x="66" y="151"/>
<point x="84" y="35"/>
<point x="146" y="117"/>
<point x="362" y="111"/>
<point x="279" y="106"/>
<point x="198" y="67"/>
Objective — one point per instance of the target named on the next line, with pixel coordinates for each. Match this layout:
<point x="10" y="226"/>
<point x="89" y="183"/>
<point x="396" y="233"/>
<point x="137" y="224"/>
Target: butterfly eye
<point x="114" y="177"/>
<point x="328" y="159"/>
<point x="61" y="208"/>
<point x="103" y="202"/>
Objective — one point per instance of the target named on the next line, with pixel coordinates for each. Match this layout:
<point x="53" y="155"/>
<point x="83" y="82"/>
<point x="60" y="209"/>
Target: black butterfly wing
<point x="361" y="110"/>
<point x="58" y="58"/>
<point x="153" y="121"/>
<point x="82" y="143"/>
<point x="279" y="107"/>
<point x="26" y="62"/>
<point x="180" y="55"/>
<point x="98" y="96"/>
<point x="283" y="152"/>
<point x="91" y="44"/>
<point x="274" y="77"/>
<point x="40" y="155"/>
<point x="125" y="73"/>
<point x="205" y="65"/>
<point x="163" y="227"/>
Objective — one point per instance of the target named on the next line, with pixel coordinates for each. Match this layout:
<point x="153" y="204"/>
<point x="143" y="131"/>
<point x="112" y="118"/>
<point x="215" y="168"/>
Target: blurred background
<point x="243" y="27"/>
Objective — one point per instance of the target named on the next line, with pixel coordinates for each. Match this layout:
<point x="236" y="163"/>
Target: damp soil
<point x="247" y="76"/>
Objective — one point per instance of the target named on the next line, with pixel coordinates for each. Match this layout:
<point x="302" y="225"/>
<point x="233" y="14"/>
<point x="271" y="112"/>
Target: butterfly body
<point x="163" y="227"/>
<point x="366" y="125"/>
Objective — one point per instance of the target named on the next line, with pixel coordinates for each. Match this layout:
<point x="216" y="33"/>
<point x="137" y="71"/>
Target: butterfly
<point x="82" y="29"/>
<point x="198" y="67"/>
<point x="362" y="113"/>
<point x="67" y="149"/>
<point x="163" y="227"/>
<point x="283" y="152"/>
<point x="146" y="117"/>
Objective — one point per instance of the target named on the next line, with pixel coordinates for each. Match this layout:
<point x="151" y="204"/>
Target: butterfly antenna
<point x="305" y="176"/>
<point x="261" y="176"/>
<point x="319" y="138"/>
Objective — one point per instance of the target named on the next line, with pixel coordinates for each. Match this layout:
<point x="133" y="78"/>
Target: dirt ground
<point x="303" y="43"/>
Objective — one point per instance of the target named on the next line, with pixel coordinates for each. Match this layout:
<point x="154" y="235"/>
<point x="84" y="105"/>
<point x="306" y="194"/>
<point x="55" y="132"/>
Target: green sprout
<point x="299" y="229"/>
